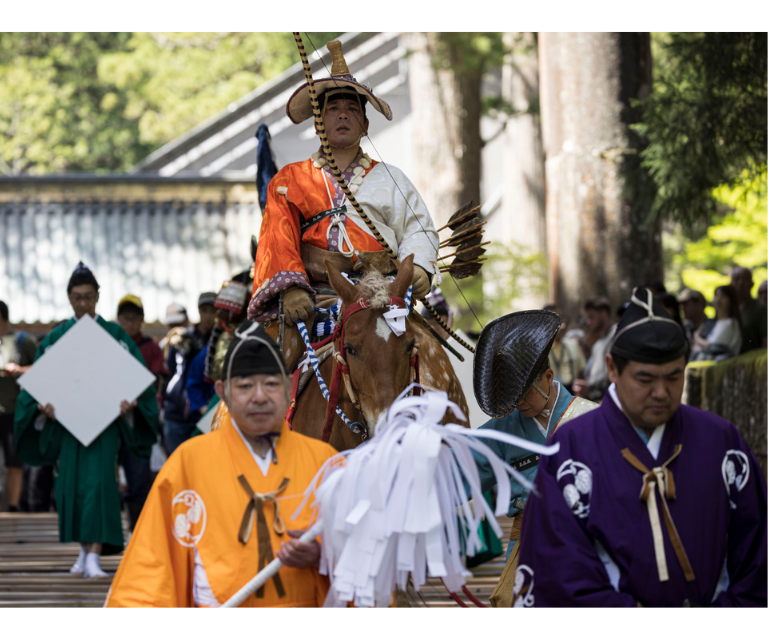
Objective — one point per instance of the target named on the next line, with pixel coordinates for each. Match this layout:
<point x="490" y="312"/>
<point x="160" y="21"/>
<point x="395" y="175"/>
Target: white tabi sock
<point x="92" y="566"/>
<point x="79" y="565"/>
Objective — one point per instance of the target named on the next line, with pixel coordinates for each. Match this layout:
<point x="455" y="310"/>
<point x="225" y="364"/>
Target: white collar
<point x="544" y="431"/>
<point x="654" y="442"/>
<point x="263" y="463"/>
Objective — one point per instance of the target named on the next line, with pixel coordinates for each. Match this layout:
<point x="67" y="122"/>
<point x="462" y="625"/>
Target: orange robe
<point x="185" y="550"/>
<point x="301" y="190"/>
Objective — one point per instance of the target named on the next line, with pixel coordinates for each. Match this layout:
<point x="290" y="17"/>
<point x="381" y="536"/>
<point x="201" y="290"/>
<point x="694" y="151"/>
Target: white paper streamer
<point x="399" y="504"/>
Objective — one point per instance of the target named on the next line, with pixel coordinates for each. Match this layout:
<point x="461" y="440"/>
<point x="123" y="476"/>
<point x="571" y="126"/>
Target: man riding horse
<point x="306" y="219"/>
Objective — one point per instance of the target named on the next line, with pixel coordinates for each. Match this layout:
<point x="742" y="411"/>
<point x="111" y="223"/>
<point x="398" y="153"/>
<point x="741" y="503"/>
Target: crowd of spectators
<point x="738" y="326"/>
<point x="27" y="488"/>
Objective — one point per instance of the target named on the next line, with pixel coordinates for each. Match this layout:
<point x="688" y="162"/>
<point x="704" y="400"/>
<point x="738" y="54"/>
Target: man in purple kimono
<point x="648" y="502"/>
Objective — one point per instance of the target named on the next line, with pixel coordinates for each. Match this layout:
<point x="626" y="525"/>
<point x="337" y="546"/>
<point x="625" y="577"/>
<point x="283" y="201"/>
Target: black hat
<point x="647" y="333"/>
<point x="509" y="356"/>
<point x="82" y="275"/>
<point x="252" y="351"/>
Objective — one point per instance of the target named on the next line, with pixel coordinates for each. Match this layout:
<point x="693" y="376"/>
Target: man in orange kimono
<point x="222" y="506"/>
<point x="306" y="205"/>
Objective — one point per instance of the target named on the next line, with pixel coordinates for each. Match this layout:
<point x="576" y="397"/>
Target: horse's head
<point x="379" y="361"/>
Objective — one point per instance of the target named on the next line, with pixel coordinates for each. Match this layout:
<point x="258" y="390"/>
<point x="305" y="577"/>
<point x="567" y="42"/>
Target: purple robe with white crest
<point x="599" y="534"/>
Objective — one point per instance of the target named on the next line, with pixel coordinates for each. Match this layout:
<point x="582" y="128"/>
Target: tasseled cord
<point x="395" y="507"/>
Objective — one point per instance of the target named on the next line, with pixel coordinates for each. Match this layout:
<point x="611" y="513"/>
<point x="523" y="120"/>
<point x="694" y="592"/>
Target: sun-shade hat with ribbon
<point x="509" y="356"/>
<point x="299" y="107"/>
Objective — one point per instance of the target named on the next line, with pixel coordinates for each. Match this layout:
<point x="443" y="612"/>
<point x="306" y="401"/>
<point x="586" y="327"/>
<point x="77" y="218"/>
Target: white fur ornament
<point x="397" y="504"/>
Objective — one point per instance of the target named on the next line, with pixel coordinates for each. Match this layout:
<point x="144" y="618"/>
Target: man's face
<point x="533" y="402"/>
<point x="344" y="122"/>
<point x="83" y="299"/>
<point x="741" y="280"/>
<point x="693" y="309"/>
<point x="207" y="317"/>
<point x="131" y="322"/>
<point x="258" y="403"/>
<point x="596" y="319"/>
<point x="649" y="393"/>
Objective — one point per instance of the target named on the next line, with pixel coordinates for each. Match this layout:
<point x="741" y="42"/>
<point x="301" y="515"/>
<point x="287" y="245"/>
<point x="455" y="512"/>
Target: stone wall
<point x="737" y="390"/>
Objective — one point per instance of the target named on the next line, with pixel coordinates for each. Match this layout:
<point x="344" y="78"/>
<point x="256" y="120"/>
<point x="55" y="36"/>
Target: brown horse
<point x="378" y="360"/>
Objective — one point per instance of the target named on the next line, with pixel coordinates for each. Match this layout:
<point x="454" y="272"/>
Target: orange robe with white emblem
<point x="185" y="550"/>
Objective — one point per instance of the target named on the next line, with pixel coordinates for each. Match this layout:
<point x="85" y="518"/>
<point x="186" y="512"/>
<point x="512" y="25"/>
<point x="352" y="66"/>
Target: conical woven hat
<point x="299" y="107"/>
<point x="509" y="355"/>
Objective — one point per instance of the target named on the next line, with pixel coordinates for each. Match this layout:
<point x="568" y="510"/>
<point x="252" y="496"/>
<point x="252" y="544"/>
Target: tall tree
<point x="56" y="114"/>
<point x="445" y="71"/>
<point x="599" y="239"/>
<point x="705" y="121"/>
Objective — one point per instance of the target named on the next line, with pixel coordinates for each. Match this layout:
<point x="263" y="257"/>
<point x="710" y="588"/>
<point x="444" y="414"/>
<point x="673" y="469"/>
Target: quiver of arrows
<point x="466" y="242"/>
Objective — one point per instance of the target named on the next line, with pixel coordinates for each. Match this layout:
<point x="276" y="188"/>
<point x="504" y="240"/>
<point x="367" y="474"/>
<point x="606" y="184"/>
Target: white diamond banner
<point x="84" y="376"/>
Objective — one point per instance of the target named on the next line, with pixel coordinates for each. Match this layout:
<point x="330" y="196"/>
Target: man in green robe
<point x="87" y="494"/>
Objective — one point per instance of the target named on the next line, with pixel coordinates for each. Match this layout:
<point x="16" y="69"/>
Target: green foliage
<point x="103" y="101"/>
<point x="705" y="121"/>
<point x="492" y="293"/>
<point x="738" y="237"/>
<point x="174" y="81"/>
<point x="55" y="113"/>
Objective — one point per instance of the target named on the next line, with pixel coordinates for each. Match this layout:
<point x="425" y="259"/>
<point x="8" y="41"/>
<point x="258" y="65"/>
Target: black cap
<point x="82" y="275"/>
<point x="510" y="355"/>
<point x="647" y="333"/>
<point x="253" y="351"/>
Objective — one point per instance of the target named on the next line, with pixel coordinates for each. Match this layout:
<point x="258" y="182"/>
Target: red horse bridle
<point x="342" y="368"/>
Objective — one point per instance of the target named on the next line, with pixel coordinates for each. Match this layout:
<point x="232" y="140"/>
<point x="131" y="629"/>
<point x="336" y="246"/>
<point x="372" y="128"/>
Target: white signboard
<point x="84" y="376"/>
<point x="204" y="424"/>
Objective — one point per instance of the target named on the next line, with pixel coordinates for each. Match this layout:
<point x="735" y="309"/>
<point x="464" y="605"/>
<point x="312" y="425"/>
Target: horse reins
<point x="341" y="371"/>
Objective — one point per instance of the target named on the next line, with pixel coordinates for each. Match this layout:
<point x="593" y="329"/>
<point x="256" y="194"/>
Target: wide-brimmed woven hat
<point x="509" y="355"/>
<point x="299" y="107"/>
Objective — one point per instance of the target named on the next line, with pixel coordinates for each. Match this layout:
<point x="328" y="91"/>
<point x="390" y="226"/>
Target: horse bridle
<point x="341" y="372"/>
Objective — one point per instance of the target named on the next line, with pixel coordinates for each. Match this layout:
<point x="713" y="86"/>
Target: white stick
<point x="270" y="570"/>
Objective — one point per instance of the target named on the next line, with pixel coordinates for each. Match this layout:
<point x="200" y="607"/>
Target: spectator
<point x="754" y="323"/>
<point x="183" y="347"/>
<point x="762" y="292"/>
<point x="696" y="322"/>
<point x="671" y="306"/>
<point x="595" y="382"/>
<point x="17" y="353"/>
<point x="566" y="357"/>
<point x="725" y="339"/>
<point x="130" y="316"/>
<point x="177" y="321"/>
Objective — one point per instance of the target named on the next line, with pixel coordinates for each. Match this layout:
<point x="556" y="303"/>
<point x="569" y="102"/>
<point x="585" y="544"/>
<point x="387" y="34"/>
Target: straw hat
<point x="299" y="107"/>
<point x="509" y="355"/>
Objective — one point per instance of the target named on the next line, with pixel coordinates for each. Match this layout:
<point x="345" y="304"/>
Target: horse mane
<point x="375" y="287"/>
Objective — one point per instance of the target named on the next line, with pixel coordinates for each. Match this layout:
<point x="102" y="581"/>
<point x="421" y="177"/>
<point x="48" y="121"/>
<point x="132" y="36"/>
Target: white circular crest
<point x="735" y="470"/>
<point x="189" y="518"/>
<point x="523" y="579"/>
<point x="576" y="485"/>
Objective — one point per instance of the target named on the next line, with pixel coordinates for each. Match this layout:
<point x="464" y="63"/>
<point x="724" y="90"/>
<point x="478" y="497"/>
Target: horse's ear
<point x="346" y="290"/>
<point x="403" y="279"/>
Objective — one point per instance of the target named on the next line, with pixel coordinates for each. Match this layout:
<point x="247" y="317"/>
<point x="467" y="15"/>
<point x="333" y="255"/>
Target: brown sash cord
<point x="256" y="503"/>
<point x="663" y="478"/>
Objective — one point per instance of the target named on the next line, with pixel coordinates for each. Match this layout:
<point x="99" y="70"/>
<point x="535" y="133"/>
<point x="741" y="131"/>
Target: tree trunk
<point x="598" y="240"/>
<point x="523" y="206"/>
<point x="445" y="107"/>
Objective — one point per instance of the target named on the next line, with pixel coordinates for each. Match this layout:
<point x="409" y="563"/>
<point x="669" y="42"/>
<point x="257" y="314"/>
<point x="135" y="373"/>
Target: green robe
<point x="87" y="494"/>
